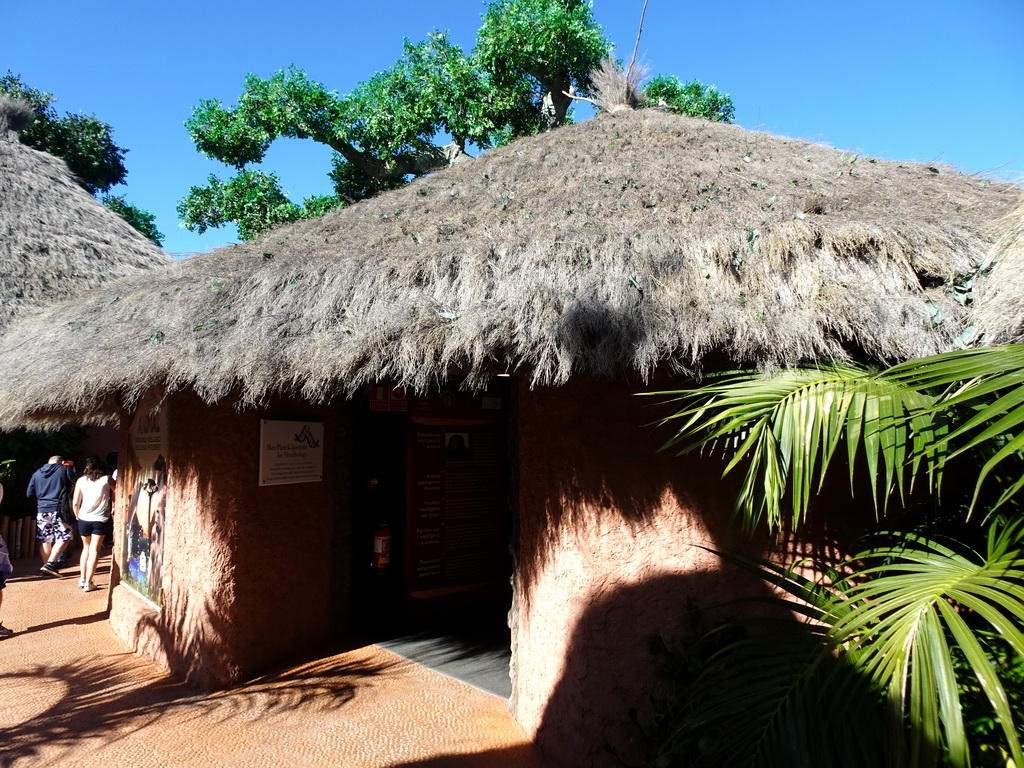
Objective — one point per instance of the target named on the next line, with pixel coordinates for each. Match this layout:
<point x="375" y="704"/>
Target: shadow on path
<point x="103" y="699"/>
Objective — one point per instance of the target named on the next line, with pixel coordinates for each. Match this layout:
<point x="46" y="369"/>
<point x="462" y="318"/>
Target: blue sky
<point x="926" y="80"/>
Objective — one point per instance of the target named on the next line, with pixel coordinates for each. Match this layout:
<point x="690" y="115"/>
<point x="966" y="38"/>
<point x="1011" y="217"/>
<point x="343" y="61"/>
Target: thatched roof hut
<point x="56" y="240"/>
<point x="635" y="241"/>
<point x="1000" y="313"/>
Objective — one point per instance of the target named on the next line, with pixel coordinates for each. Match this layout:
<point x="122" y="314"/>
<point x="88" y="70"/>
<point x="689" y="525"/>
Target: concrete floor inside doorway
<point x="473" y="645"/>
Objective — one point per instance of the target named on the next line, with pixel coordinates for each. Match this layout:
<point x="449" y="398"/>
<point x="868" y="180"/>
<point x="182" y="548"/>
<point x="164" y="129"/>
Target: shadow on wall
<point x="614" y="629"/>
<point x="227" y="542"/>
<point x="191" y="641"/>
<point x="589" y="458"/>
<point x="102" y="698"/>
<point x="611" y="544"/>
<point x="589" y="454"/>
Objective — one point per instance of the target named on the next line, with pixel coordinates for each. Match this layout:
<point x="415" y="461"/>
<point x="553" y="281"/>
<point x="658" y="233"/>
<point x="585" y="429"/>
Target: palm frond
<point x="987" y="381"/>
<point x="770" y="698"/>
<point x="786" y="429"/>
<point x="913" y="603"/>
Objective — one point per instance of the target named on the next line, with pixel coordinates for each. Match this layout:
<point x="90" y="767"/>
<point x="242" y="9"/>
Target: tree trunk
<point x="416" y="163"/>
<point x="556" y="103"/>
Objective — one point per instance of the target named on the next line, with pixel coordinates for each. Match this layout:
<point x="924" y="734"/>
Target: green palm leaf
<point x="910" y="605"/>
<point x="868" y="678"/>
<point x="987" y="382"/>
<point x="785" y="430"/>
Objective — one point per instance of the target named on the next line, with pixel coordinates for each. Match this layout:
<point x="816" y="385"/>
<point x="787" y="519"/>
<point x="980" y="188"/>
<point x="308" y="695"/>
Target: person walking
<point x="46" y="486"/>
<point x="91" y="504"/>
<point x="5" y="571"/>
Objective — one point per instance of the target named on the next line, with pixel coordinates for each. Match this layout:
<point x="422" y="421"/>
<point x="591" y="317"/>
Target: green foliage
<point x="985" y="389"/>
<point x="85" y="143"/>
<point x="933" y="628"/>
<point x="318" y="205"/>
<point x="253" y="199"/>
<point x="141" y="219"/>
<point x="892" y="666"/>
<point x="693" y="98"/>
<point x="383" y="132"/>
<point x="785" y="429"/>
<point x="434" y="87"/>
<point x="982" y="726"/>
<point x="351" y="184"/>
<point x="543" y="48"/>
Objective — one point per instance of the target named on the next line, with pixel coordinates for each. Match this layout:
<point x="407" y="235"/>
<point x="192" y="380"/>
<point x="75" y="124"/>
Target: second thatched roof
<point x="631" y="242"/>
<point x="56" y="240"/>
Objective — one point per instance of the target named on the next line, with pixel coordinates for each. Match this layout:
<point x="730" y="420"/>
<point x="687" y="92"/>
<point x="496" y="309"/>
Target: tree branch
<point x="584" y="98"/>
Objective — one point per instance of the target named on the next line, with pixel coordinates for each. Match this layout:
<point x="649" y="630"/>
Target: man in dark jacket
<point x="47" y="485"/>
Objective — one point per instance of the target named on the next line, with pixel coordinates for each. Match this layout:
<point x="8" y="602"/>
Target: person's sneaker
<point x="5" y="632"/>
<point x="81" y="583"/>
<point x="50" y="569"/>
<point x="90" y="587"/>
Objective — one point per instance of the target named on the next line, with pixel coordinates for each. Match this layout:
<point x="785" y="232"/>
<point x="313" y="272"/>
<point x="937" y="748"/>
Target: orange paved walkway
<point x="72" y="696"/>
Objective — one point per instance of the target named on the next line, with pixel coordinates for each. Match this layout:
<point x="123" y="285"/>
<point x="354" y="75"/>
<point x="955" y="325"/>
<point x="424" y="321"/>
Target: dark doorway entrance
<point x="432" y="528"/>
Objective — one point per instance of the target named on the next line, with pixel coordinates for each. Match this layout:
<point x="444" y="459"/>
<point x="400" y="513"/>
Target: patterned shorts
<point x="50" y="528"/>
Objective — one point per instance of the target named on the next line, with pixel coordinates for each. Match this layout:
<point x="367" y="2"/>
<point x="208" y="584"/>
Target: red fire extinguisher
<point x="381" y="547"/>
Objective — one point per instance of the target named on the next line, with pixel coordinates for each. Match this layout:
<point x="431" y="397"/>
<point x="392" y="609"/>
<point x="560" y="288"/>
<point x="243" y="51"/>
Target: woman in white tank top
<point x="92" y="508"/>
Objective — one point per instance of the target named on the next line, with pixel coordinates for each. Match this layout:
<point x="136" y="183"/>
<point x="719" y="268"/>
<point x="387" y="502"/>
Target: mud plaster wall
<point x="609" y="556"/>
<point x="246" y="576"/>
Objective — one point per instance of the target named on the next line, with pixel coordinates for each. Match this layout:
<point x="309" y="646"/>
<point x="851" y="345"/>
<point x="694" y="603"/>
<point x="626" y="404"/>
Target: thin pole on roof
<point x="636" y="45"/>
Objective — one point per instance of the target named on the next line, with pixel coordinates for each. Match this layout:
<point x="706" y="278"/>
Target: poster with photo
<point x="145" y="475"/>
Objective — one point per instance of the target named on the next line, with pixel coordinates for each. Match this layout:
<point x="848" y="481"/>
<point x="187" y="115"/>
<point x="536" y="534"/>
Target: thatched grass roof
<point x="1000" y="301"/>
<point x="631" y="242"/>
<point x="56" y="240"/>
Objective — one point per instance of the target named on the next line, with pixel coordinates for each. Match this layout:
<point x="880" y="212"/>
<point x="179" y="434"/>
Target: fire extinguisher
<point x="381" y="548"/>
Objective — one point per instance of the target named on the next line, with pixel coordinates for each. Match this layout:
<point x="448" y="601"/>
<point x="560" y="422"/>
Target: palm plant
<point x="871" y="678"/>
<point x="901" y="633"/>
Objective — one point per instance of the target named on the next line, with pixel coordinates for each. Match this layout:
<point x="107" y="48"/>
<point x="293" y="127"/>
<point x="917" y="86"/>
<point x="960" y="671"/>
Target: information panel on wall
<point x="457" y="532"/>
<point x="291" y="452"/>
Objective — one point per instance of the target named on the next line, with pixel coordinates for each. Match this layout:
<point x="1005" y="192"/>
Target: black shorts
<point x="89" y="528"/>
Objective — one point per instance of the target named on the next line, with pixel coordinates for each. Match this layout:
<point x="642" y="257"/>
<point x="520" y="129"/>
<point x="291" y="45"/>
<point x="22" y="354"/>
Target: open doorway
<point x="432" y="528"/>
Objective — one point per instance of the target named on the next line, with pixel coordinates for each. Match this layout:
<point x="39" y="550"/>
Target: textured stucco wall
<point x="610" y="537"/>
<point x="247" y="569"/>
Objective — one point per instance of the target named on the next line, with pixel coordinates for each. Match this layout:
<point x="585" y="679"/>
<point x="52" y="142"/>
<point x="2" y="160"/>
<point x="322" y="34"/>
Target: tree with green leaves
<point x="86" y="144"/>
<point x="543" y="48"/>
<point x="914" y="652"/>
<point x="529" y="54"/>
<point x="532" y="58"/>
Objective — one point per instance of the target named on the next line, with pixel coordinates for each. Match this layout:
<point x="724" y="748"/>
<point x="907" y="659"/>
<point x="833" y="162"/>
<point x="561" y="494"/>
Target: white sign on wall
<point x="291" y="452"/>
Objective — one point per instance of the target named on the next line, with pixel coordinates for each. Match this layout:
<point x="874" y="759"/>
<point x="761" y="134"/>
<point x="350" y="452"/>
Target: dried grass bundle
<point x="634" y="241"/>
<point x="614" y="88"/>
<point x="14" y="116"/>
